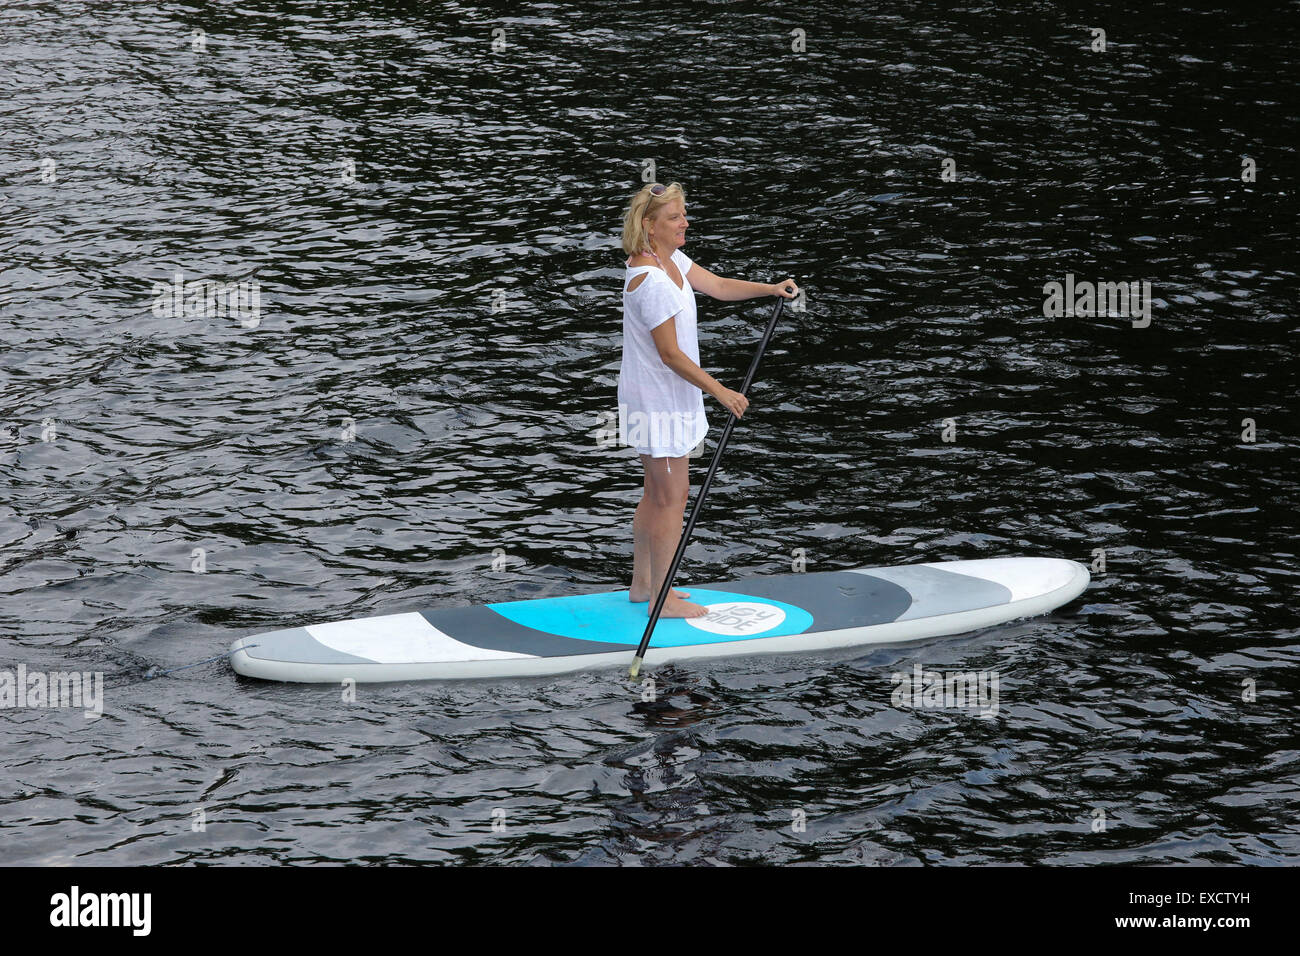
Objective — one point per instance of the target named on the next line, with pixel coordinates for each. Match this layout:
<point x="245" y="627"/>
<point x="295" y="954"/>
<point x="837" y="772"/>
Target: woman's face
<point x="667" y="230"/>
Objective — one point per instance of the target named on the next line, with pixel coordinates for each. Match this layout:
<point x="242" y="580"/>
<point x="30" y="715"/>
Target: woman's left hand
<point x="786" y="289"/>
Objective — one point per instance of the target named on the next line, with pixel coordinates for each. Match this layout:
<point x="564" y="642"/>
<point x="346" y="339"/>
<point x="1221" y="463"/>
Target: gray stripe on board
<point x="483" y="627"/>
<point x="296" y="645"/>
<point x="936" y="592"/>
<point x="835" y="599"/>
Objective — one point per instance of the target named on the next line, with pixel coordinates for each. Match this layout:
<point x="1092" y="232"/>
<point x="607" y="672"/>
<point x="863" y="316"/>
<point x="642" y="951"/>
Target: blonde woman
<point x="661" y="384"/>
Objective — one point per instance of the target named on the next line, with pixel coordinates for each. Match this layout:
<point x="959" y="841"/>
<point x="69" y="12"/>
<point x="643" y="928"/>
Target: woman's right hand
<point x="734" y="402"/>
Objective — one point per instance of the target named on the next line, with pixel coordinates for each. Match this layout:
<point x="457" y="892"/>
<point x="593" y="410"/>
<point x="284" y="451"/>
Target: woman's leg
<point x="641" y="523"/>
<point x="640" y="588"/>
<point x="656" y="531"/>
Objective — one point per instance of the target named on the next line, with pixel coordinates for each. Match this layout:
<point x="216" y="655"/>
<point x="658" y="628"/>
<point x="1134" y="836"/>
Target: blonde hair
<point x="643" y="204"/>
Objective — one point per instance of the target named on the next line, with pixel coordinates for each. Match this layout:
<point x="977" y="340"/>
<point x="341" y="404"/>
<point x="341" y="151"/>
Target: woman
<point x="661" y="384"/>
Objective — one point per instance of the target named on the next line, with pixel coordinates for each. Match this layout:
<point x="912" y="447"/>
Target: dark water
<point x="479" y="170"/>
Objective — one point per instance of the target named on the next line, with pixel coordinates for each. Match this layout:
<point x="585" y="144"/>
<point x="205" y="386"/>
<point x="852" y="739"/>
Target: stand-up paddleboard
<point x="777" y="614"/>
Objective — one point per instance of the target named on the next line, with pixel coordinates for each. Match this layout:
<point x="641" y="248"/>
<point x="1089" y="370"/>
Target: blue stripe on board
<point x="612" y="619"/>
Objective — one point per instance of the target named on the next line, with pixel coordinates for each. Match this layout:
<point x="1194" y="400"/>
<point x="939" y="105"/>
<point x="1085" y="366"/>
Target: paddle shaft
<point x="704" y="492"/>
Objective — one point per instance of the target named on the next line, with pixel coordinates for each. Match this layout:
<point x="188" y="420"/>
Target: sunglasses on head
<point x="656" y="191"/>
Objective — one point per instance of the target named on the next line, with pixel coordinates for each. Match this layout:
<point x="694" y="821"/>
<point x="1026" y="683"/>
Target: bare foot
<point x="632" y="595"/>
<point x="674" y="607"/>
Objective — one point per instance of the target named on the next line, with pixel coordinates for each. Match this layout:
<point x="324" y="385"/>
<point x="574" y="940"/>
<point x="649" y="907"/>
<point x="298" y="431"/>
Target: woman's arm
<point x="733" y="290"/>
<point x="665" y="336"/>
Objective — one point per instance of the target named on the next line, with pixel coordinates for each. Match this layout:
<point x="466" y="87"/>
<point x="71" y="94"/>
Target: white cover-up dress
<point x="660" y="413"/>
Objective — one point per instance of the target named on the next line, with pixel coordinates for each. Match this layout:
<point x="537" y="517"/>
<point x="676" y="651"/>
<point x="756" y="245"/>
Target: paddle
<point x="699" y="499"/>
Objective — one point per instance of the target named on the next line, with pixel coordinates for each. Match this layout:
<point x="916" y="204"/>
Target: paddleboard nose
<point x="1024" y="577"/>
